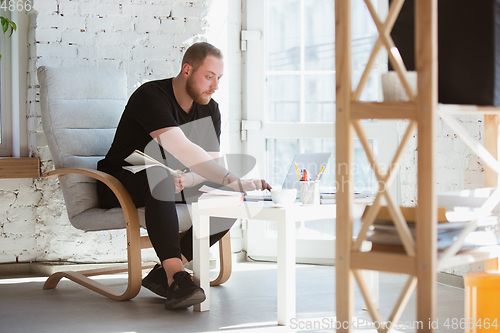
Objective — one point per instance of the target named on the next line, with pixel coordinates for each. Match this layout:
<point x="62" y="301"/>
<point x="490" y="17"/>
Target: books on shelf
<point x="445" y="239"/>
<point x="141" y="161"/>
<point x="443" y="215"/>
<point x="213" y="197"/>
<point x="385" y="237"/>
<point x="388" y="235"/>
<point x="409" y="213"/>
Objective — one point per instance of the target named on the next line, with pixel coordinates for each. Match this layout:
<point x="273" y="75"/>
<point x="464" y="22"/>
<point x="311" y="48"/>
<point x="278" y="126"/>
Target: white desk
<point x="285" y="218"/>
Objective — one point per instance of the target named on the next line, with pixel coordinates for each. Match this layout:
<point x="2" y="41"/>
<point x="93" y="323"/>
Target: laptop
<point x="312" y="162"/>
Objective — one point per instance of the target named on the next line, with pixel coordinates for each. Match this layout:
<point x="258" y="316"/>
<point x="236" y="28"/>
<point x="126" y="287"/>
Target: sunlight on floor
<point x="23" y="280"/>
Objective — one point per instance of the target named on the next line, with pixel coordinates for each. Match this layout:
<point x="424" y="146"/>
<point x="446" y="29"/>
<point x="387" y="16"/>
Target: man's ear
<point x="186" y="70"/>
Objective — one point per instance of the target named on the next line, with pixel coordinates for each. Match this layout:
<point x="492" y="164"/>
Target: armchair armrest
<point x="126" y="202"/>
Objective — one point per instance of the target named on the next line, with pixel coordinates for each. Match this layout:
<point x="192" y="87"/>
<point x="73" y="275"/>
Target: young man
<point x="160" y="111"/>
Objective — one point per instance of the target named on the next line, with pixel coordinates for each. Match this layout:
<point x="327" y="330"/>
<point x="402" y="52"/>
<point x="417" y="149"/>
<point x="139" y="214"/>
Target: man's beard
<point x="195" y="94"/>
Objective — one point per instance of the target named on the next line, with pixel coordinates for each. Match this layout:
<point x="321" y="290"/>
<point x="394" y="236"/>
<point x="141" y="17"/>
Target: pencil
<point x="320" y="172"/>
<point x="297" y="169"/>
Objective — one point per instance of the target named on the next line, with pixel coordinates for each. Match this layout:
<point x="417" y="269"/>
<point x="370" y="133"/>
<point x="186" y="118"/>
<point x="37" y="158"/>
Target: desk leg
<point x="201" y="255"/>
<point x="286" y="272"/>
<point x="371" y="280"/>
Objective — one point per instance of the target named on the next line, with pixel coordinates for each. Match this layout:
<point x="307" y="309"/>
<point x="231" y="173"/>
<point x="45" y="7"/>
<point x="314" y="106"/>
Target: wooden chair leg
<point x="134" y="243"/>
<point x="135" y="276"/>
<point x="134" y="268"/>
<point x="225" y="260"/>
<point x="82" y="278"/>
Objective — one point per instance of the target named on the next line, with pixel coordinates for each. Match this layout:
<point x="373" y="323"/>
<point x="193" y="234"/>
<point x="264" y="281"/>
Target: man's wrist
<point x="192" y="176"/>
<point x="226" y="179"/>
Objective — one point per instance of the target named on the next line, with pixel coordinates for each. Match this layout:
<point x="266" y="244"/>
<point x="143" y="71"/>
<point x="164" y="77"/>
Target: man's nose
<point x="215" y="85"/>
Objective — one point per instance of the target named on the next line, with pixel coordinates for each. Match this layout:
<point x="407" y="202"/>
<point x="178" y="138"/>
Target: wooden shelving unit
<point x="421" y="261"/>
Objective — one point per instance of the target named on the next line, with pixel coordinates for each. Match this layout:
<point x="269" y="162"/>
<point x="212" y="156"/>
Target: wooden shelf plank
<point x="19" y="167"/>
<point x="383" y="110"/>
<point x="463" y="257"/>
<point x="384" y="262"/>
<point x="468" y="109"/>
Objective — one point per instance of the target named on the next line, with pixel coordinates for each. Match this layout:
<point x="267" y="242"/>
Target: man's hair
<point x="196" y="54"/>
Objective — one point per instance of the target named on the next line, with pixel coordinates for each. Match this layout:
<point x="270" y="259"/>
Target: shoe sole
<point x="196" y="297"/>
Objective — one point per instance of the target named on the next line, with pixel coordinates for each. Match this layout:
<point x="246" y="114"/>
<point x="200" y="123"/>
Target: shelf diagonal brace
<point x="484" y="211"/>
<point x="394" y="55"/>
<point x="394" y="10"/>
<point x="370" y="305"/>
<point x="473" y="144"/>
<point x="399" y="307"/>
<point x="402" y="301"/>
<point x="386" y="181"/>
<point x="457" y="244"/>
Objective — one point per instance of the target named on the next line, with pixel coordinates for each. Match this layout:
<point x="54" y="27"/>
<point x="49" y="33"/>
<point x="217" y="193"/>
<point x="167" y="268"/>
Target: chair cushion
<point x="81" y="108"/>
<point x="95" y="219"/>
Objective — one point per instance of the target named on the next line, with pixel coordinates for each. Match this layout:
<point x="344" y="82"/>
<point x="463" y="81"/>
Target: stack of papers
<point x="213" y="197"/>
<point x="140" y="161"/>
<point x="385" y="237"/>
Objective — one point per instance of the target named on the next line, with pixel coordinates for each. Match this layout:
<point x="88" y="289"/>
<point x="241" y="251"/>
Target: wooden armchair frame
<point x="135" y="243"/>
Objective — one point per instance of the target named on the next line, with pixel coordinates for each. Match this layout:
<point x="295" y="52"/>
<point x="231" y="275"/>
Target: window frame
<point x="6" y="95"/>
<point x="259" y="246"/>
<point x="14" y="87"/>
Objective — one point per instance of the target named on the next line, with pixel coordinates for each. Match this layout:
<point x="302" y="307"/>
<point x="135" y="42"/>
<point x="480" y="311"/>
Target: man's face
<point x="204" y="81"/>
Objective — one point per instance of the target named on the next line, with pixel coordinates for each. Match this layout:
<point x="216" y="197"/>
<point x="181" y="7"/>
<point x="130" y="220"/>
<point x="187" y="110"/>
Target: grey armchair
<point x="81" y="108"/>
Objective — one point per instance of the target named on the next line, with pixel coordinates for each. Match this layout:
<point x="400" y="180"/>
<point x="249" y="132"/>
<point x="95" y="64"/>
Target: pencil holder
<point x="309" y="192"/>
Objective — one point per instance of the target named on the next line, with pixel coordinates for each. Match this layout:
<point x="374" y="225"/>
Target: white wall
<point x="457" y="167"/>
<point x="145" y="38"/>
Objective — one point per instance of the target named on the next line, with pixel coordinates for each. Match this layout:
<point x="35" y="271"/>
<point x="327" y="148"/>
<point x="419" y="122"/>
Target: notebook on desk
<point x="312" y="162"/>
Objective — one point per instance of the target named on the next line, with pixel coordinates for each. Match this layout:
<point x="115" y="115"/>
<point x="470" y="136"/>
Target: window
<point x="5" y="93"/>
<point x="13" y="85"/>
<point x="290" y="92"/>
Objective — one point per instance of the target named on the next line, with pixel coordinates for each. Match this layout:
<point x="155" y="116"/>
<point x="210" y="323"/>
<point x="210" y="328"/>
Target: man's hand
<point x="179" y="182"/>
<point x="243" y="185"/>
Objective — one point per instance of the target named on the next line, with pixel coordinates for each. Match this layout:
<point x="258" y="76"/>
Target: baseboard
<point x="240" y="256"/>
<point x="450" y="280"/>
<point x="48" y="268"/>
<point x="15" y="269"/>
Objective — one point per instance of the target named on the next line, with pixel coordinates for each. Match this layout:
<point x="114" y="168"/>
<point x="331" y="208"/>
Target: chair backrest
<point x="81" y="108"/>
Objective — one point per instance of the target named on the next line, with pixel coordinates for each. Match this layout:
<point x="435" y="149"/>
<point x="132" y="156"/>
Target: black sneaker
<point x="183" y="293"/>
<point x="156" y="281"/>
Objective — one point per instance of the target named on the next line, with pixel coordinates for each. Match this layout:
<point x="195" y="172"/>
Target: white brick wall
<point x="18" y="201"/>
<point x="457" y="167"/>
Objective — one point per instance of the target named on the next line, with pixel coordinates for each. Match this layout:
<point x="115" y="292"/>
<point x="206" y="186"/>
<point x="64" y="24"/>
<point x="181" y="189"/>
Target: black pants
<point x="160" y="212"/>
